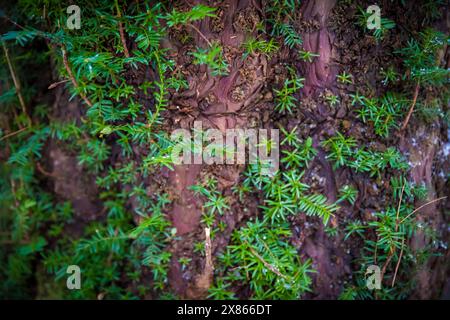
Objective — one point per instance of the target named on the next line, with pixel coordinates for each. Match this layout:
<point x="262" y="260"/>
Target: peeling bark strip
<point x="329" y="259"/>
<point x="204" y="280"/>
<point x="319" y="74"/>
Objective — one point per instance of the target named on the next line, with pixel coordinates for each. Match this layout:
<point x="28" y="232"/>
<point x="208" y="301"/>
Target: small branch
<point x="45" y="172"/>
<point x="13" y="133"/>
<point x="411" y="109"/>
<point x="268" y="265"/>
<point x="391" y="254"/>
<point x="209" y="267"/>
<point x="55" y="84"/>
<point x="200" y="33"/>
<point x="16" y="84"/>
<point x="72" y="78"/>
<point x="432" y="201"/>
<point x="388" y="260"/>
<point x="398" y="208"/>
<point x="203" y="281"/>
<point x="122" y="32"/>
<point x="398" y="262"/>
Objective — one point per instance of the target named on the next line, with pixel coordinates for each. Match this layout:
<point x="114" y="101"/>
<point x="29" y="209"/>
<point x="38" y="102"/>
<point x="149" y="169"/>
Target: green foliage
<point x="120" y="140"/>
<point x="332" y="99"/>
<point x="253" y="45"/>
<point x="115" y="124"/>
<point x="384" y="112"/>
<point x="285" y="193"/>
<point x="291" y="37"/>
<point x="347" y="193"/>
<point x="316" y="205"/>
<point x="345" y="78"/>
<point x="300" y="155"/>
<point x="280" y="17"/>
<point x="263" y="253"/>
<point x="213" y="58"/>
<point x="215" y="201"/>
<point x="420" y="58"/>
<point x="308" y="56"/>
<point x="197" y="12"/>
<point x="343" y="152"/>
<point x="284" y="97"/>
<point x="387" y="244"/>
<point x="390" y="76"/>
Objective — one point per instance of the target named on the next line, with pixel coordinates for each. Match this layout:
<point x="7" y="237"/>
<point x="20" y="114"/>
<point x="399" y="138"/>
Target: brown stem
<point x="411" y="109"/>
<point x="388" y="260"/>
<point x="200" y="33"/>
<point x="432" y="201"/>
<point x="209" y="267"/>
<point x="16" y="84"/>
<point x="391" y="254"/>
<point x="398" y="262"/>
<point x="45" y="172"/>
<point x="55" y="84"/>
<point x="266" y="264"/>
<point x="122" y="32"/>
<point x="72" y="78"/>
<point x="13" y="133"/>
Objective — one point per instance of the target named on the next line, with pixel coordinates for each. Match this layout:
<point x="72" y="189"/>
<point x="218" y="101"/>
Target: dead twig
<point x="121" y="31"/>
<point x="13" y="133"/>
<point x="392" y="251"/>
<point x="55" y="84"/>
<point x="209" y="267"/>
<point x="398" y="262"/>
<point x="266" y="264"/>
<point x="397" y="223"/>
<point x="45" y="172"/>
<point x="203" y="280"/>
<point x="16" y="84"/>
<point x="200" y="33"/>
<point x="411" y="109"/>
<point x="415" y="210"/>
<point x="72" y="78"/>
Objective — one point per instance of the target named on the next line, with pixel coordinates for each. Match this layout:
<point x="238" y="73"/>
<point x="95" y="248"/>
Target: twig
<point x="392" y="251"/>
<point x="16" y="84"/>
<point x="122" y="32"/>
<point x="209" y="267"/>
<point x="55" y="84"/>
<point x="13" y="133"/>
<point x="45" y="172"/>
<point x="268" y="265"/>
<point x="200" y="33"/>
<point x="203" y="281"/>
<point x="72" y="78"/>
<point x="398" y="208"/>
<point x="388" y="260"/>
<point x="391" y="254"/>
<point x="411" y="109"/>
<point x="398" y="262"/>
<point x="432" y="201"/>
